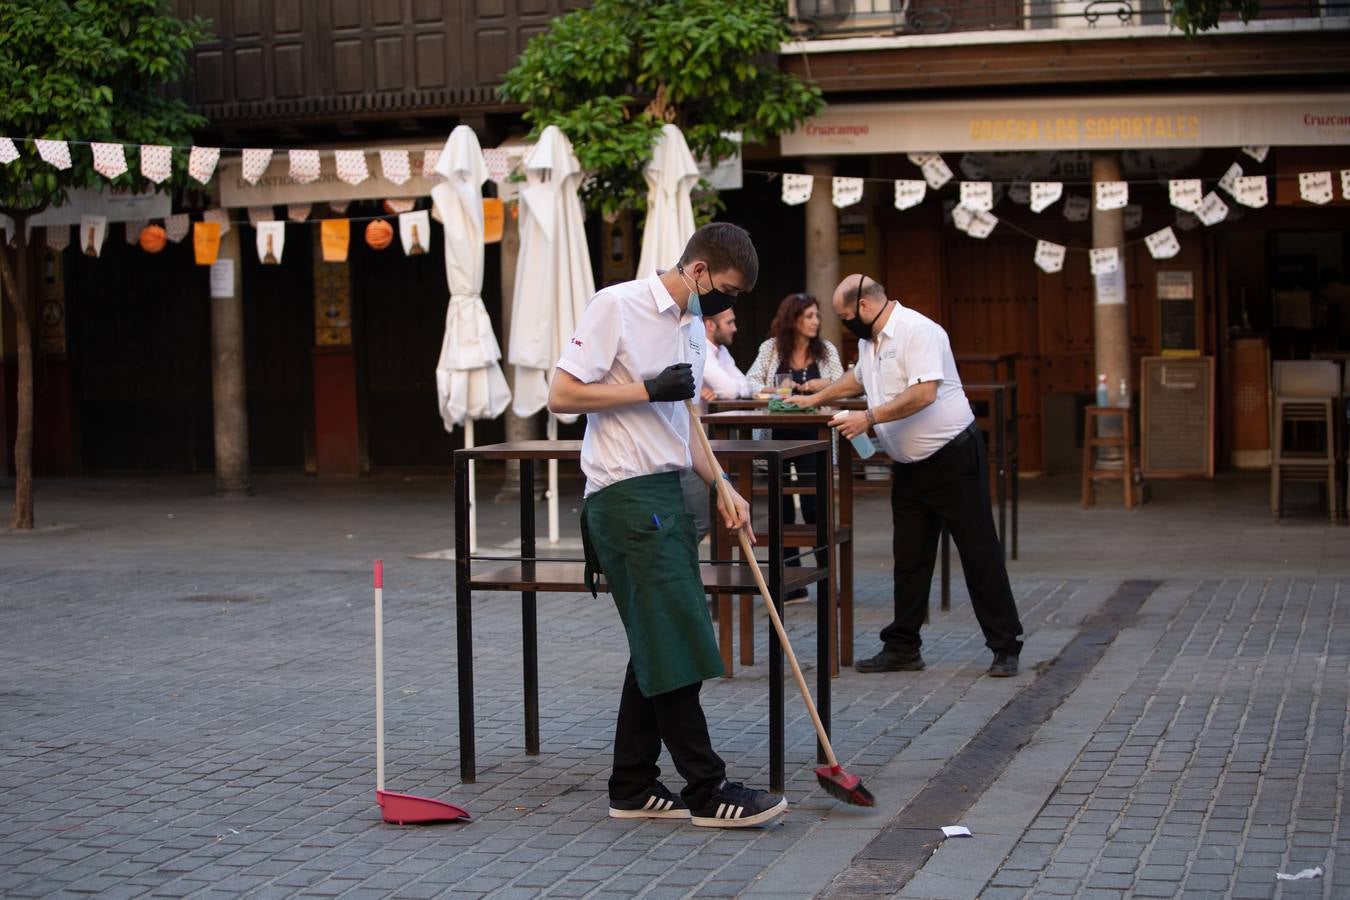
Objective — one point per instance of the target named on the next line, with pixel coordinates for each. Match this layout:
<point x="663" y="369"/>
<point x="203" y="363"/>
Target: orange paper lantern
<point x="152" y="239"/>
<point x="379" y="234"/>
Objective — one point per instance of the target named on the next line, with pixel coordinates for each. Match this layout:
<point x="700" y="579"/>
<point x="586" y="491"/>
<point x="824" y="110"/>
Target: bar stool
<point x="1091" y="440"/>
<point x="1305" y="435"/>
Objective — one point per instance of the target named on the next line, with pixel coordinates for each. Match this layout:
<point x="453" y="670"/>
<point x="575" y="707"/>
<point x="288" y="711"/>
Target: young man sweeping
<point x="637" y="354"/>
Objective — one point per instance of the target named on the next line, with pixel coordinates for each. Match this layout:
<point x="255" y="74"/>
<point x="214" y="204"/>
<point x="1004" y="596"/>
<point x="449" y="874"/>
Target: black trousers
<point x="949" y="488"/>
<point x="675" y="717"/>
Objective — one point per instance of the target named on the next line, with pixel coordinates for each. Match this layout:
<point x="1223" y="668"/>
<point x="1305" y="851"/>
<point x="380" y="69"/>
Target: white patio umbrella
<point x="469" y="380"/>
<point x="553" y="281"/>
<point x="671" y="176"/>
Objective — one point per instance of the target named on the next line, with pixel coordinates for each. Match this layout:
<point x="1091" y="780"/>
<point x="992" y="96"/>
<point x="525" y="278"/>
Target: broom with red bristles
<point x="837" y="782"/>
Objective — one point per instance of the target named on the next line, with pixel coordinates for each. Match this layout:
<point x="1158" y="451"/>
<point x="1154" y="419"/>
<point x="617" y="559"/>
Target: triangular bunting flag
<point x="1163" y="244"/>
<point x="1256" y="153"/>
<point x="1104" y="260"/>
<point x="205" y="242"/>
<point x="351" y="166"/>
<point x="156" y="162"/>
<point x="429" y="159"/>
<point x="498" y="161"/>
<point x="133" y="229"/>
<point x="972" y="167"/>
<point x="202" y="162"/>
<point x="1212" y="209"/>
<point x="1186" y="193"/>
<point x="1049" y="257"/>
<point x="220" y="217"/>
<point x="92" y="231"/>
<point x="335" y="236"/>
<point x="54" y="153"/>
<point x="846" y="191"/>
<point x="1251" y="191"/>
<point x="58" y="237"/>
<point x="339" y="206"/>
<point x="1345" y="184"/>
<point x="258" y="214"/>
<point x="271" y="242"/>
<point x="177" y="226"/>
<point x="1112" y="194"/>
<point x="414" y="228"/>
<point x="977" y="195"/>
<point x="982" y="224"/>
<point x="1134" y="216"/>
<point x="797" y="188"/>
<point x="304" y="167"/>
<point x="110" y="160"/>
<point x="1077" y="208"/>
<point x="1228" y="183"/>
<point x="8" y="152"/>
<point x="909" y="193"/>
<point x="394" y="166"/>
<point x="254" y="163"/>
<point x="1045" y="194"/>
<point x="1020" y="193"/>
<point x="397" y="205"/>
<point x="936" y="172"/>
<point x="1315" y="187"/>
<point x="299" y="212"/>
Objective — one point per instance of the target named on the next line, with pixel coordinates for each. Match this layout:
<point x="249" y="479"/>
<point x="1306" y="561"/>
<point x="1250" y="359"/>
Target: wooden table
<point x="528" y="574"/>
<point x="837" y="539"/>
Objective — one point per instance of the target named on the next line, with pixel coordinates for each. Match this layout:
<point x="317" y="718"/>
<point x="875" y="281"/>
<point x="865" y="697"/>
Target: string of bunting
<point x="973" y="215"/>
<point x="351" y="166"/>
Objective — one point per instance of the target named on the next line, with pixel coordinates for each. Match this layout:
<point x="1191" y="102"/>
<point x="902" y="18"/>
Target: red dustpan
<point x="399" y="809"/>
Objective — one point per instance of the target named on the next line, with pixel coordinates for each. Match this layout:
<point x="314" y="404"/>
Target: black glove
<point x="674" y="383"/>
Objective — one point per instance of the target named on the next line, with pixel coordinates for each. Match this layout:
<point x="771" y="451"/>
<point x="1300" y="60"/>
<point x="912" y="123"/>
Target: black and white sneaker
<point x="737" y="806"/>
<point x="656" y="803"/>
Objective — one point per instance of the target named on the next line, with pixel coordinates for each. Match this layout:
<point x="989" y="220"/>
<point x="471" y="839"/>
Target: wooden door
<point x="991" y="288"/>
<point x="140" y="343"/>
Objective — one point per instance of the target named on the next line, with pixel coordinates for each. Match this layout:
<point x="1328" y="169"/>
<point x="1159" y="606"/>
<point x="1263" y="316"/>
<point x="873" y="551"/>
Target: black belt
<point x="970" y="431"/>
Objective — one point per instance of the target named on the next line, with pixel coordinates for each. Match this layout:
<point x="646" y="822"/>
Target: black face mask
<point x="862" y="331"/>
<point x="707" y="304"/>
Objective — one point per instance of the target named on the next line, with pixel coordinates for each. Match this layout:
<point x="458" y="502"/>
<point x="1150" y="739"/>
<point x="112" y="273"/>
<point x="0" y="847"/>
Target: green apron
<point x="637" y="533"/>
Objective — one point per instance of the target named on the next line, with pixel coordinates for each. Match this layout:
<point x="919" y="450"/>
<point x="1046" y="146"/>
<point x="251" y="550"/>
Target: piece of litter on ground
<point x="956" y="831"/>
<point x="1299" y="876"/>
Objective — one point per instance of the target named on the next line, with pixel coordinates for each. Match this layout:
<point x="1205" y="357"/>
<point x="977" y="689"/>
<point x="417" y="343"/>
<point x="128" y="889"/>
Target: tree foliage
<point x="88" y="70"/>
<point x="1195" y="16"/>
<point x="610" y="76"/>
<point x="78" y="70"/>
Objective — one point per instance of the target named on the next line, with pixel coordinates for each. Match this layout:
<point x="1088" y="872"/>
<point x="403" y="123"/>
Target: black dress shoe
<point x="1004" y="665"/>
<point x="891" y="661"/>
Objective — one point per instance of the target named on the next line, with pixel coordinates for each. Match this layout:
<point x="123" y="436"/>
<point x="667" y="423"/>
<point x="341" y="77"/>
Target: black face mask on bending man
<point x="855" y="324"/>
<point x="706" y="304"/>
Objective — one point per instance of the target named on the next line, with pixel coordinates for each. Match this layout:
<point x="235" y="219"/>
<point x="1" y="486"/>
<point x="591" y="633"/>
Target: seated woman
<point x="795" y="355"/>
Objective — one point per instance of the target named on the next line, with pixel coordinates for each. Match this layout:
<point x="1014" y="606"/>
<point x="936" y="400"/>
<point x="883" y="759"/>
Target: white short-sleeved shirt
<point x="912" y="348"/>
<point x="722" y="376"/>
<point x="629" y="333"/>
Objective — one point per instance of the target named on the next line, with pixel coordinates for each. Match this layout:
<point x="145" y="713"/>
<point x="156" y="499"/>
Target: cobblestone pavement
<point x="187" y="709"/>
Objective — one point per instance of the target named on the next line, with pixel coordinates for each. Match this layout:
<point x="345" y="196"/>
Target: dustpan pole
<point x="379" y="675"/>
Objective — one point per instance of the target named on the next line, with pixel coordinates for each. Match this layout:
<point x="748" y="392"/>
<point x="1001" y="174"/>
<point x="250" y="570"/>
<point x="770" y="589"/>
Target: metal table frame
<point x="531" y="574"/>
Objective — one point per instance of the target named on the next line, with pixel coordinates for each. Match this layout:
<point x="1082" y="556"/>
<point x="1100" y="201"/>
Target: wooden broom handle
<point x="723" y="491"/>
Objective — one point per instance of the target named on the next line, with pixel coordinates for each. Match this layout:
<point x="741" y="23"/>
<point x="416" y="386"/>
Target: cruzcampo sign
<point x="1106" y="123"/>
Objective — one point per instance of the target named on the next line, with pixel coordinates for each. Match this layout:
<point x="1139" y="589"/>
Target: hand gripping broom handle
<point x="723" y="489"/>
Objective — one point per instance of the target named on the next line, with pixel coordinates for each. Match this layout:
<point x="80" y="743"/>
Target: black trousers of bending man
<point x="949" y="488"/>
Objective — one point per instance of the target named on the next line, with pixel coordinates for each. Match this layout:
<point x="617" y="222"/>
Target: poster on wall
<point x="1178" y="334"/>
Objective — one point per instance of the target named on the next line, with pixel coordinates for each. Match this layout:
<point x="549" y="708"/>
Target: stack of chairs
<point x="1304" y="430"/>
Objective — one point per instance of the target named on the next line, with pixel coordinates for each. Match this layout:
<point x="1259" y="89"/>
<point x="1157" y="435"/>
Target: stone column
<point x="1111" y="320"/>
<point x="822" y="247"/>
<point x="228" y="384"/>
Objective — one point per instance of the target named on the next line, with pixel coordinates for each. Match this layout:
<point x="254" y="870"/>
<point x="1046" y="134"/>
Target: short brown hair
<point x="723" y="246"/>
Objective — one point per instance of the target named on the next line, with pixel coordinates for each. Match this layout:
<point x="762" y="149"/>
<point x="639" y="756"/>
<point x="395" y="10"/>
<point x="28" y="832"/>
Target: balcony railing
<point x="823" y="19"/>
